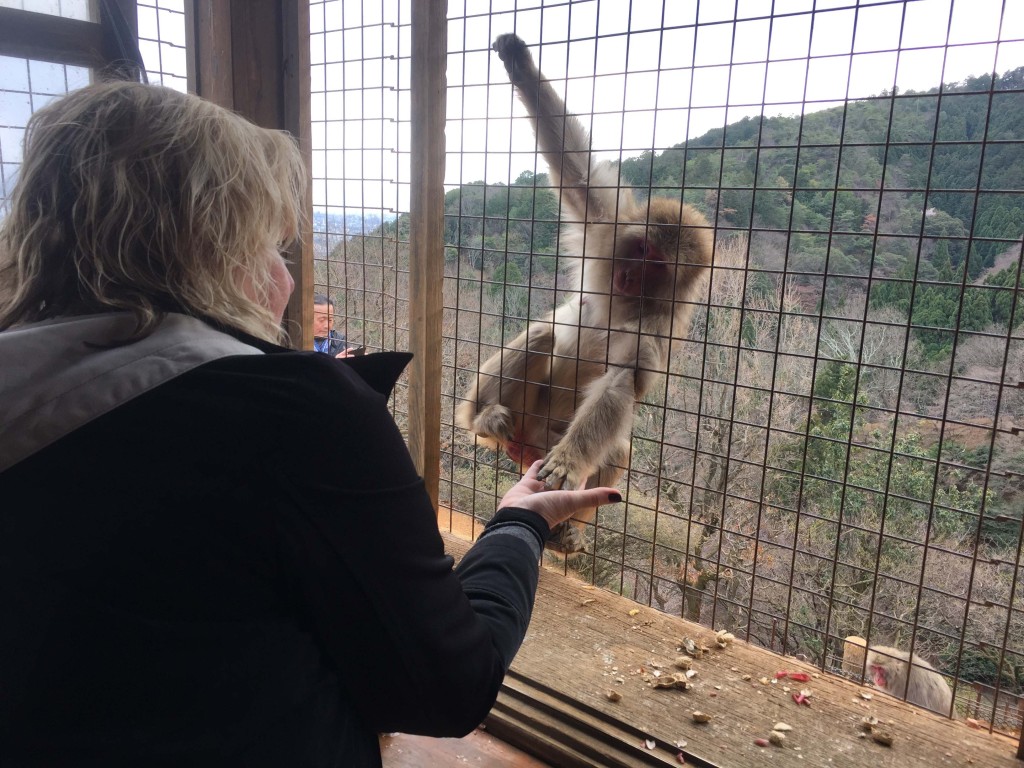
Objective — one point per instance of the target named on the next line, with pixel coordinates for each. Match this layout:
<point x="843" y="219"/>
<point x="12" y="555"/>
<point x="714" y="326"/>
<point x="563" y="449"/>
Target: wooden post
<point x="426" y="235"/>
<point x="252" y="56"/>
<point x="1020" y="741"/>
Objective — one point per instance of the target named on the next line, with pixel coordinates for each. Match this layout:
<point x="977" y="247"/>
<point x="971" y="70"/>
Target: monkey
<point x="563" y="391"/>
<point x="887" y="668"/>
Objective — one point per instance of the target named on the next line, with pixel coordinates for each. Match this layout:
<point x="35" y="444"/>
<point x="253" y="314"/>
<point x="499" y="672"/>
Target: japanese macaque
<point x="887" y="669"/>
<point x="564" y="389"/>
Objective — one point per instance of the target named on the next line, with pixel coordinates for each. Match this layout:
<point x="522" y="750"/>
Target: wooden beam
<point x="208" y="38"/>
<point x="42" y="37"/>
<point x="426" y="236"/>
<point x="252" y="56"/>
<point x="296" y="82"/>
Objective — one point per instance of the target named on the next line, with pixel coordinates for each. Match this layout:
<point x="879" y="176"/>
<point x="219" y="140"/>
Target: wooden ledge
<point x="583" y="642"/>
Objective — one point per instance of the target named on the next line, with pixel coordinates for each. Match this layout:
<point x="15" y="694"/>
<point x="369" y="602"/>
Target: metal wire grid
<point x="162" y="42"/>
<point x="742" y="503"/>
<point x="29" y="84"/>
<point x="360" y="130"/>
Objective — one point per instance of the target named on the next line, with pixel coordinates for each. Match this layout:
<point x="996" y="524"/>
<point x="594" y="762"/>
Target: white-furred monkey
<point x="887" y="667"/>
<point x="565" y="388"/>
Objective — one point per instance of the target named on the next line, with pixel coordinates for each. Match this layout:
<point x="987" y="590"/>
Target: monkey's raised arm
<point x="561" y="137"/>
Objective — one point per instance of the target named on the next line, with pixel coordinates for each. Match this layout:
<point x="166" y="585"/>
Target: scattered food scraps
<point x="700" y="717"/>
<point x="761" y="742"/>
<point x="777" y="738"/>
<point x="634" y="611"/>
<point x="613" y="696"/>
<point x="868" y="722"/>
<point x="882" y="737"/>
<point x="650" y="743"/>
<point x="671" y="681"/>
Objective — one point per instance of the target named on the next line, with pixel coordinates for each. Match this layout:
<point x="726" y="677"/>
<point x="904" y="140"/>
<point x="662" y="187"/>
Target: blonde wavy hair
<point x="141" y="198"/>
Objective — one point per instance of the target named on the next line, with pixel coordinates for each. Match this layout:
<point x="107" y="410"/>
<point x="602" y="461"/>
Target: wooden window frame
<point x="45" y="37"/>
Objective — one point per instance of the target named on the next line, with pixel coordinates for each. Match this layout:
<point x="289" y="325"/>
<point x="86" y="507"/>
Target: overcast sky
<point x="642" y="75"/>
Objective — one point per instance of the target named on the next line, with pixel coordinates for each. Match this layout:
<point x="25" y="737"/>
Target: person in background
<point x="325" y="338"/>
<point x="215" y="550"/>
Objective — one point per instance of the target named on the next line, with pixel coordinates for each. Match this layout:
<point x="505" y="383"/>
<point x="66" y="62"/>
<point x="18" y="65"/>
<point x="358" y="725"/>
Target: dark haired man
<point x="325" y="338"/>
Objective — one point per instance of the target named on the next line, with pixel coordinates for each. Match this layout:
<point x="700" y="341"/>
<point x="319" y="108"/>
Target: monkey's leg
<point x="500" y="392"/>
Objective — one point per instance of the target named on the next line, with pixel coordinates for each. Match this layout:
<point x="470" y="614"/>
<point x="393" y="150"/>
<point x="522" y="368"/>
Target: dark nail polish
<point x="614" y="498"/>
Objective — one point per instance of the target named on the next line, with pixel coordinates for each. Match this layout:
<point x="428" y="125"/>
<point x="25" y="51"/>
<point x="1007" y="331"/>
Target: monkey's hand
<point x="517" y="59"/>
<point x="564" y="468"/>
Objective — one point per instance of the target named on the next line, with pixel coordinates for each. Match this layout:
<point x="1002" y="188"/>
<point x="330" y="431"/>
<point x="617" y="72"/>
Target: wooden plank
<point x="426" y="235"/>
<point x="583" y="642"/>
<point x="42" y="37"/>
<point x="208" y="35"/>
<point x="296" y="85"/>
<point x="252" y="56"/>
<point x="257" y="60"/>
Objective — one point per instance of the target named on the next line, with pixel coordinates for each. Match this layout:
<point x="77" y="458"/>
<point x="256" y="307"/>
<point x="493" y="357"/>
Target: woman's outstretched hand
<point x="554" y="506"/>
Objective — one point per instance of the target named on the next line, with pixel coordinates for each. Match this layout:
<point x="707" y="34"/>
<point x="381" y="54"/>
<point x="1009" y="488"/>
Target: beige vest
<point x="53" y="379"/>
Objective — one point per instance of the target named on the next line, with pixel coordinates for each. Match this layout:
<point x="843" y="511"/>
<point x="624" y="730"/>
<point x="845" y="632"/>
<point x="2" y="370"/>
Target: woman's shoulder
<point x="289" y="383"/>
<point x="376" y="373"/>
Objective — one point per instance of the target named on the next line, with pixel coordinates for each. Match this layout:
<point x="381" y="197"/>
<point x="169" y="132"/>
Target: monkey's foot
<point x="495" y="422"/>
<point x="567" y="538"/>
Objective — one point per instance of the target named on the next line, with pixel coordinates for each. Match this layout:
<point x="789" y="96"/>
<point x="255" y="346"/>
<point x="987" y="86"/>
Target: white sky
<point x="643" y="75"/>
<point x="636" y="86"/>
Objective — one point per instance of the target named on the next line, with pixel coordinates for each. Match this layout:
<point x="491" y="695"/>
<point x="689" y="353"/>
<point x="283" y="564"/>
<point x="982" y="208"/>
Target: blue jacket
<point x="332" y="345"/>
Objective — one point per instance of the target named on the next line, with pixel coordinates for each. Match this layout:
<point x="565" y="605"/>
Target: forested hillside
<point x="839" y="426"/>
<point x="903" y="188"/>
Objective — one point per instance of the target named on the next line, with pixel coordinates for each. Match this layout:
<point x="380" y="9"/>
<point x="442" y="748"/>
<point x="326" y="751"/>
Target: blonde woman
<point x="179" y="585"/>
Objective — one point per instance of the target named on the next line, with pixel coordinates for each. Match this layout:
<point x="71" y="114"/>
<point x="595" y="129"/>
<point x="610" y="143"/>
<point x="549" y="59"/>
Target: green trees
<point x="833" y="448"/>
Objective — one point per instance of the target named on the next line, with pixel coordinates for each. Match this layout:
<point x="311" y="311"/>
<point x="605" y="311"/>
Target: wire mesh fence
<point x="28" y="84"/>
<point x="360" y="107"/>
<point x="836" y="447"/>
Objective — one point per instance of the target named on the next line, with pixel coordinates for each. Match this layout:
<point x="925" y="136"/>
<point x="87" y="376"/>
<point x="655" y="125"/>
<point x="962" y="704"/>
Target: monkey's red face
<point x="640" y="269"/>
<point x="878" y="673"/>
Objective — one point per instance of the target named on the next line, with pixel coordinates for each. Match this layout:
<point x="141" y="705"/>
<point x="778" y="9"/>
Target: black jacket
<point x="242" y="567"/>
